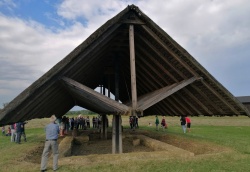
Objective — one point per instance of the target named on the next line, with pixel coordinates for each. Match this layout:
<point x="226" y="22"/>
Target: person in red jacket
<point x="163" y="123"/>
<point x="188" y="121"/>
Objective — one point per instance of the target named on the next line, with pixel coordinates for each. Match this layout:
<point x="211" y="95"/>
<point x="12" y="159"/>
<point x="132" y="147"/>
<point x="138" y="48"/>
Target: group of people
<point x="80" y="122"/>
<point x="15" y="131"/>
<point x="185" y="123"/>
<point x="53" y="130"/>
<point x="133" y="122"/>
<point x="164" y="124"/>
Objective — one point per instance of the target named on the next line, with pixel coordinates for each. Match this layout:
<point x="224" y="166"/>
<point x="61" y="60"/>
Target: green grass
<point x="230" y="132"/>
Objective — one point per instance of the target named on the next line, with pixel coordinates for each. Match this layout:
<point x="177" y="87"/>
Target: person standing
<point x="88" y="122"/>
<point x="183" y="123"/>
<point x="13" y="132"/>
<point x="19" y="127"/>
<point x="52" y="132"/>
<point x="188" y="121"/>
<point x="157" y="122"/>
<point x="131" y="122"/>
<point x="3" y="130"/>
<point x="163" y="123"/>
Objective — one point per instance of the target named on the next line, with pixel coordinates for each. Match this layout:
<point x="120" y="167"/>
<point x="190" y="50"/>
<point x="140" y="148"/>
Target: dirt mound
<point x="195" y="146"/>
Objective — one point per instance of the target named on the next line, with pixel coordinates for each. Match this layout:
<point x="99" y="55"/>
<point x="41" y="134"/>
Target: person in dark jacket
<point x="183" y="123"/>
<point x="19" y="127"/>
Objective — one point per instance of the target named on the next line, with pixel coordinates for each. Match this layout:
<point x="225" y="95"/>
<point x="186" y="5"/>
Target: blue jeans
<point x="183" y="128"/>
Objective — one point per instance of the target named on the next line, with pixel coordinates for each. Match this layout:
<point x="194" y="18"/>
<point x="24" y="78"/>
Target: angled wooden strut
<point x="92" y="99"/>
<point x="154" y="97"/>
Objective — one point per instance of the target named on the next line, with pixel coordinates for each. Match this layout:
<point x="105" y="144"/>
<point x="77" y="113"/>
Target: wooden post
<point x="117" y="134"/>
<point x="101" y="89"/>
<point x="116" y="122"/>
<point x="133" y="72"/>
<point x="109" y="86"/>
<point x="132" y="68"/>
<point x="104" y="133"/>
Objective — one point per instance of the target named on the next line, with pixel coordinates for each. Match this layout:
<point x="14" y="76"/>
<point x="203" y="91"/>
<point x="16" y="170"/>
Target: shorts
<point x="188" y="125"/>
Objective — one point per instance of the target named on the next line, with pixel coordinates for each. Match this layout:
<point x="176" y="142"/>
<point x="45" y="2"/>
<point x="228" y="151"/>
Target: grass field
<point x="219" y="143"/>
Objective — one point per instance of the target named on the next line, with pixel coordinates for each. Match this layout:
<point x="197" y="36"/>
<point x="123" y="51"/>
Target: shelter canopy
<point x="169" y="80"/>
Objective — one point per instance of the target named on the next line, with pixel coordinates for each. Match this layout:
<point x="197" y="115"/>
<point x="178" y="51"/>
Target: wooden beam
<point x="157" y="53"/>
<point x="178" y="94"/>
<point x="134" y="22"/>
<point x="172" y="77"/>
<point x="132" y="68"/>
<point x="158" y="95"/>
<point x="181" y="105"/>
<point x="143" y="72"/>
<point x="97" y="100"/>
<point x="161" y="43"/>
<point x="221" y="98"/>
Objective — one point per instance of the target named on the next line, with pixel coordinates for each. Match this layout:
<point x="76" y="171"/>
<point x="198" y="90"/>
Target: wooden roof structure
<point x="169" y="81"/>
<point x="245" y="100"/>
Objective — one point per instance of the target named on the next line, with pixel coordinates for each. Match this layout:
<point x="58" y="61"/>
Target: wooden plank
<point x="158" y="95"/>
<point x="96" y="99"/>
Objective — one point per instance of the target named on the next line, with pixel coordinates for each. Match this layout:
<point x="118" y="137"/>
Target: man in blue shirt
<point x="52" y="131"/>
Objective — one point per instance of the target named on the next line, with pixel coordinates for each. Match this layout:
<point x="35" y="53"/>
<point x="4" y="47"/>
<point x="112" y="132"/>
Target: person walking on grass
<point x="163" y="123"/>
<point x="188" y="121"/>
<point x="183" y="123"/>
<point x="52" y="132"/>
<point x="157" y="122"/>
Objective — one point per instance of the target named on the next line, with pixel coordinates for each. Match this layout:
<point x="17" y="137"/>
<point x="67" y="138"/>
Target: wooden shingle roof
<point x="161" y="64"/>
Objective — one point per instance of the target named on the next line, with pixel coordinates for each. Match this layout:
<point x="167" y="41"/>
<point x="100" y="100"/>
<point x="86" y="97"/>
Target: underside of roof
<point x="169" y="80"/>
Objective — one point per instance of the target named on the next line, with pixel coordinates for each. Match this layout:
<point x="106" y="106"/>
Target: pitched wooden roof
<point x="244" y="99"/>
<point x="162" y="66"/>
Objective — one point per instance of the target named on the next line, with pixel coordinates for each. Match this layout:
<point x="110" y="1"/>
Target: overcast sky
<point x="37" y="34"/>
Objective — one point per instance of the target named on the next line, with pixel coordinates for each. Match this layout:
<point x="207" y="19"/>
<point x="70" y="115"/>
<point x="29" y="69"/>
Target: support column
<point x="109" y="86"/>
<point x="132" y="67"/>
<point x="104" y="129"/>
<point x="101" y="89"/>
<point x="117" y="134"/>
<point x="104" y="133"/>
<point x="117" y="122"/>
<point x="133" y="72"/>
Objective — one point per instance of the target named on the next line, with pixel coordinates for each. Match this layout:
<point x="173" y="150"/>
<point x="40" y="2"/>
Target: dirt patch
<point x="97" y="146"/>
<point x="34" y="155"/>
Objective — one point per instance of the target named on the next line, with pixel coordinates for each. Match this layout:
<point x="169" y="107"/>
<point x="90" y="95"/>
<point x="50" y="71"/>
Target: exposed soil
<point x="105" y="147"/>
<point x="97" y="146"/>
<point x="34" y="155"/>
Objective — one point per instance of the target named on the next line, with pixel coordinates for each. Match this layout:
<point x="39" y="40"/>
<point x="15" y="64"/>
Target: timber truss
<point x="131" y="57"/>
